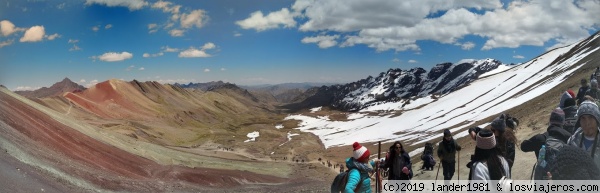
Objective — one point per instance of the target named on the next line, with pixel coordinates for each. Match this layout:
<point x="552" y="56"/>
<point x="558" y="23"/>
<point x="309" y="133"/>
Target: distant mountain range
<point x="397" y="84"/>
<point x="57" y="89"/>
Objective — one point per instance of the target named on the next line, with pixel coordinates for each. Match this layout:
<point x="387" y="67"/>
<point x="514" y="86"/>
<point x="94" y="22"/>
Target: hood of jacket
<point x="559" y="133"/>
<point x="351" y="163"/>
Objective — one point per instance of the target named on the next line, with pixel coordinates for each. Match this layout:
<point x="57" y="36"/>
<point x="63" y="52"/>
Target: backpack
<point x="552" y="146"/>
<point x="340" y="181"/>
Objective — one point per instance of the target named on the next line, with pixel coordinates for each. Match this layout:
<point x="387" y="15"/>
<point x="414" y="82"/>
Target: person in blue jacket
<point x="359" y="169"/>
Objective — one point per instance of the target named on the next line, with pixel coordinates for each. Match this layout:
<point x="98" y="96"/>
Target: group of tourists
<point x="568" y="150"/>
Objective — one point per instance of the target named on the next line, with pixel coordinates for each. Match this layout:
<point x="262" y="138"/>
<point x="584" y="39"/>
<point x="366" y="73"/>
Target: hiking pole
<point x="377" y="178"/>
<point x="458" y="167"/>
<point x="438" y="172"/>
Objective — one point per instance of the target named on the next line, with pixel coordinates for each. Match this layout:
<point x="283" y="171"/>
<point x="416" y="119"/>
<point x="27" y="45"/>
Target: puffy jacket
<point x="358" y="174"/>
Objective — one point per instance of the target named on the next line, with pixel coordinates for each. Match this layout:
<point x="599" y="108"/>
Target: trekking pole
<point x="377" y="177"/>
<point x="438" y="172"/>
<point x="458" y="167"/>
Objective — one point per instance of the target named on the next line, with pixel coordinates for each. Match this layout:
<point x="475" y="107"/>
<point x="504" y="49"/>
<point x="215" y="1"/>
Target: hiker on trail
<point x="398" y="162"/>
<point x="566" y="95"/>
<point x="555" y="130"/>
<point x="593" y="90"/>
<point x="359" y="169"/>
<point x="570" y="109"/>
<point x="488" y="163"/>
<point x="573" y="163"/>
<point x="447" y="149"/>
<point x="427" y="157"/>
<point x="505" y="139"/>
<point x="586" y="136"/>
<point x="582" y="91"/>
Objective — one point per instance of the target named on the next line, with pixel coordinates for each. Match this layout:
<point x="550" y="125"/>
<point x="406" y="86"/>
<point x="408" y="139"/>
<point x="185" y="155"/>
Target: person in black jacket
<point x="447" y="153"/>
<point x="398" y="163"/>
<point x="582" y="90"/>
<point x="555" y="130"/>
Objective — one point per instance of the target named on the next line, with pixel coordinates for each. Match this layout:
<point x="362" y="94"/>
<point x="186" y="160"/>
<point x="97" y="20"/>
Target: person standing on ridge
<point x="447" y="149"/>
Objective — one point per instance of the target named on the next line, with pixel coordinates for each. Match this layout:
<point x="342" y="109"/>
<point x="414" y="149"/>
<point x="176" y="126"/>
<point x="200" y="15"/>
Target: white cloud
<point x="396" y="60"/>
<point x="26" y="88"/>
<point x="53" y="36"/>
<point x="7" y="28"/>
<point x="518" y="56"/>
<point x="141" y="68"/>
<point x="412" y="61"/>
<point x="208" y="46"/>
<point x="61" y="6"/>
<point x="152" y="28"/>
<point x="467" y="45"/>
<point x="465" y="61"/>
<point x="131" y="4"/>
<point x="114" y="56"/>
<point x="176" y="32"/>
<point x="6" y="43"/>
<point x="168" y="49"/>
<point x="92" y="83"/>
<point x="223" y="69"/>
<point x="146" y="55"/>
<point x="108" y="26"/>
<point x="206" y="70"/>
<point x="399" y="24"/>
<point x="74" y="48"/>
<point x="95" y="28"/>
<point x="195" y="18"/>
<point x="259" y="22"/>
<point x="193" y="53"/>
<point x="82" y="81"/>
<point x="237" y="34"/>
<point x="323" y="41"/>
<point x="71" y="41"/>
<point x="129" y="68"/>
<point x="34" y="34"/>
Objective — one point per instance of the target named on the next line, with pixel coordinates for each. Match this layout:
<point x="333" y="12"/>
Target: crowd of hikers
<point x="567" y="150"/>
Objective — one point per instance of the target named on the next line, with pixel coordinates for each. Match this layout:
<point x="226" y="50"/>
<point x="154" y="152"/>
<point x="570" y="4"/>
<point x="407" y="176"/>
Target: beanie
<point x="499" y="124"/>
<point x="570" y="102"/>
<point x="447" y="133"/>
<point x="571" y="93"/>
<point x="588" y="108"/>
<point x="573" y="163"/>
<point x="485" y="139"/>
<point x="360" y="153"/>
<point x="557" y="117"/>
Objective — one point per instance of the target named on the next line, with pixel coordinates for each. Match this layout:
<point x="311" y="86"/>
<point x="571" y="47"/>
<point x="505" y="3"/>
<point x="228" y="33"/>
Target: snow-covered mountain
<point x="397" y="84"/>
<point x="498" y="88"/>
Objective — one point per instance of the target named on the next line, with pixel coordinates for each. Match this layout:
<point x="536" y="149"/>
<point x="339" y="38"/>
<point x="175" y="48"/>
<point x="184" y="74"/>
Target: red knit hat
<point x="571" y="93"/>
<point x="360" y="153"/>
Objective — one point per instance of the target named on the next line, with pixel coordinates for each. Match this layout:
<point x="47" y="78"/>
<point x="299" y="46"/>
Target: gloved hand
<point x="405" y="170"/>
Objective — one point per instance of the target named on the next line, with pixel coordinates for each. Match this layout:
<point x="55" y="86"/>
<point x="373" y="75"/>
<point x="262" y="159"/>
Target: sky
<point x="255" y="42"/>
<point x="423" y="119"/>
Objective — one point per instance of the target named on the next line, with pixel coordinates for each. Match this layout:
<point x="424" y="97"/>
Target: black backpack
<point x="553" y="145"/>
<point x="340" y="181"/>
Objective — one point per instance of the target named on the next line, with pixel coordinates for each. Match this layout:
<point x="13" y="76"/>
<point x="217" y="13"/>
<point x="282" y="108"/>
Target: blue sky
<point x="271" y="41"/>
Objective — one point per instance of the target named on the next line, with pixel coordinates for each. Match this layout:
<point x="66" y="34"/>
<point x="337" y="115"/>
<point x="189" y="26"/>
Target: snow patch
<point x="289" y="136"/>
<point x="279" y="126"/>
<point x="252" y="136"/>
<point x="316" y="109"/>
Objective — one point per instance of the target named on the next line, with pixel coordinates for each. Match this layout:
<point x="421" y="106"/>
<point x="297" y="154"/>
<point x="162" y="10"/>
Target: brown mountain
<point x="57" y="89"/>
